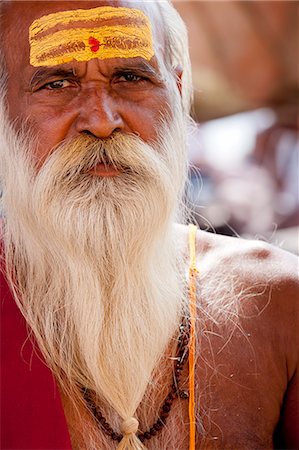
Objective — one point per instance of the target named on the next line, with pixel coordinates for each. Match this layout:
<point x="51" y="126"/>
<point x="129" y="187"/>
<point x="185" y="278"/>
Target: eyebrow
<point x="44" y="73"/>
<point x="142" y="66"/>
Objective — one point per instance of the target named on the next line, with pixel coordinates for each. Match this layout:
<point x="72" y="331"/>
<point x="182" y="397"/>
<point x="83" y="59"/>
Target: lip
<point x="104" y="170"/>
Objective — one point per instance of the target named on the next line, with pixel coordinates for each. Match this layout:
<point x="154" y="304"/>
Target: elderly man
<point x="95" y="102"/>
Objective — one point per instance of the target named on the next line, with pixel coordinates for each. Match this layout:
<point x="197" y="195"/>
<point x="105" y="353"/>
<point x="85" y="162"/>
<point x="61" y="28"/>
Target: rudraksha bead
<point x="170" y="396"/>
<point x="158" y="426"/>
<point x="184" y="395"/>
<point x="166" y="408"/>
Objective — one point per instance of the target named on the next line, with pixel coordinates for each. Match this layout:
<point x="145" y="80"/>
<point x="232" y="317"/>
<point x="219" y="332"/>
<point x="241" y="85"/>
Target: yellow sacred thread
<point x="62" y="37"/>
<point x="192" y="344"/>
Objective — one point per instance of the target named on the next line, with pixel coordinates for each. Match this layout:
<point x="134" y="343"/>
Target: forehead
<point x="23" y="12"/>
<point x="20" y="17"/>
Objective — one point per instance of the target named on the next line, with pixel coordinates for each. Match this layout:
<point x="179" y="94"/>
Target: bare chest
<point x="239" y="395"/>
<point x="231" y="413"/>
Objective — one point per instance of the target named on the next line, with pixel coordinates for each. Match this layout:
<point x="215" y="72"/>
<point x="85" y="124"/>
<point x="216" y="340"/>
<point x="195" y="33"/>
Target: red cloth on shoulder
<point x="31" y="412"/>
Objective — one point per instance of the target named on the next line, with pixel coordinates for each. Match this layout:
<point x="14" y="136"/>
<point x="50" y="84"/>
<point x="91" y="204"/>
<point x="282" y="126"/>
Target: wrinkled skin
<point x="97" y="97"/>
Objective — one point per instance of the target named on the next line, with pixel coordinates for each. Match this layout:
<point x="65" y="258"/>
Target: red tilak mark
<point x="94" y="44"/>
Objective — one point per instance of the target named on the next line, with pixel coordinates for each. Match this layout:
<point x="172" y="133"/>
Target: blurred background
<point x="244" y="149"/>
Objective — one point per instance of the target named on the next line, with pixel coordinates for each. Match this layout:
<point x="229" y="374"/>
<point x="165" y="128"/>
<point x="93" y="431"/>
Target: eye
<point x="58" y="84"/>
<point x="130" y="77"/>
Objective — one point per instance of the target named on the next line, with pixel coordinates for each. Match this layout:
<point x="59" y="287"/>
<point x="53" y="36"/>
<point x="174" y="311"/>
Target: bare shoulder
<point x="250" y="279"/>
<point x="248" y="297"/>
<point x="254" y="258"/>
<point x="249" y="291"/>
<point x="249" y="262"/>
<point x="247" y="282"/>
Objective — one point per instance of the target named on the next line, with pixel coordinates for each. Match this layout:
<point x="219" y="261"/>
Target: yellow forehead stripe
<point x="65" y="36"/>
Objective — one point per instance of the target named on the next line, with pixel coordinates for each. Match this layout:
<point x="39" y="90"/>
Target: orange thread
<point x="192" y="345"/>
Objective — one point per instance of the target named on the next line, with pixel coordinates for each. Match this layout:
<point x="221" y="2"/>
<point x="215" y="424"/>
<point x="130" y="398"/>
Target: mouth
<point x="104" y="170"/>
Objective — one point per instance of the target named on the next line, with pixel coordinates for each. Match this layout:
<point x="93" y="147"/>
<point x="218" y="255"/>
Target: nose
<point x="98" y="114"/>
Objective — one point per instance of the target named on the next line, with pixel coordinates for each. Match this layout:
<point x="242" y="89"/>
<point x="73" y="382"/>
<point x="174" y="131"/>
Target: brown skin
<point x="247" y="354"/>
<point x="97" y="97"/>
<point x="254" y="394"/>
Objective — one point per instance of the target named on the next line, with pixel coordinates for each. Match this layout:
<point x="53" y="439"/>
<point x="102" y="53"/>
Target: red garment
<point x="31" y="412"/>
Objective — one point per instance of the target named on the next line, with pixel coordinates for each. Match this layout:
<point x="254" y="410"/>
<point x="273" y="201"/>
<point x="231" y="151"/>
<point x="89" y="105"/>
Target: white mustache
<point x="127" y="153"/>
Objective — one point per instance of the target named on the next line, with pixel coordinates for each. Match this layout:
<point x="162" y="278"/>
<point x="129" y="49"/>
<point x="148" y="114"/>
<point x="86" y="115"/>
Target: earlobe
<point x="179" y="75"/>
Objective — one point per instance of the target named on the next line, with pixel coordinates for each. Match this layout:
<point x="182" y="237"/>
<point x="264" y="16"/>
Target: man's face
<point x="61" y="101"/>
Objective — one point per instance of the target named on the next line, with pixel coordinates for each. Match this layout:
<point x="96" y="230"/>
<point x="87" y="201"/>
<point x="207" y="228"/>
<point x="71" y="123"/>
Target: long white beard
<point x="93" y="261"/>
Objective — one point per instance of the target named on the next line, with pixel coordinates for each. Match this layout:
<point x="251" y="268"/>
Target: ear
<point x="179" y="75"/>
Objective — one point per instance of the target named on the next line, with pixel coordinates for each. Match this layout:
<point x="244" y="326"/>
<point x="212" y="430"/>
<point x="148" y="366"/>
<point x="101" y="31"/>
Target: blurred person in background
<point x="245" y="59"/>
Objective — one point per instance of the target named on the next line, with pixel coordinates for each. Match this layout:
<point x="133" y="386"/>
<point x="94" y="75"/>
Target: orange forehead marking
<point x="81" y="35"/>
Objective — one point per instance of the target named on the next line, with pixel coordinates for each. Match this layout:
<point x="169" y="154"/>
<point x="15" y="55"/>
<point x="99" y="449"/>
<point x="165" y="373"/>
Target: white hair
<point x="176" y="49"/>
